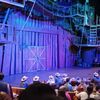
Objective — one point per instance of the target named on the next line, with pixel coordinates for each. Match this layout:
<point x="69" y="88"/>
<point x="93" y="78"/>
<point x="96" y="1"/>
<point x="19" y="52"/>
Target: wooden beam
<point x="11" y="4"/>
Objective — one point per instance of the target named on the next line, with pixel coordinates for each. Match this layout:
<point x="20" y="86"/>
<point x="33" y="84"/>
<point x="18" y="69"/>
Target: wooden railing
<point x="88" y="41"/>
<point x="7" y="34"/>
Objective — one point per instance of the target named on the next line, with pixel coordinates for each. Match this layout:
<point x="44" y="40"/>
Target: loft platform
<point x="32" y="1"/>
<point x="3" y="42"/>
<point x="11" y="4"/>
<point x="77" y="15"/>
<point x="92" y="41"/>
<point x="88" y="45"/>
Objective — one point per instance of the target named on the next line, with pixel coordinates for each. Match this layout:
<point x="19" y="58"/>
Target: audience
<point x="56" y="88"/>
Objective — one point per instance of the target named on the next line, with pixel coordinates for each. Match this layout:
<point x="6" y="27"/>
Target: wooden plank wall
<point x="35" y="33"/>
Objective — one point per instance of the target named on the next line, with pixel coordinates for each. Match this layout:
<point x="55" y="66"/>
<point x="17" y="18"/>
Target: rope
<point x="28" y="16"/>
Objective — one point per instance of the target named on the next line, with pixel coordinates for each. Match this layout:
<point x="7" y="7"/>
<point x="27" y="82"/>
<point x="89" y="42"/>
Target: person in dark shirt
<point x="5" y="87"/>
<point x="37" y="91"/>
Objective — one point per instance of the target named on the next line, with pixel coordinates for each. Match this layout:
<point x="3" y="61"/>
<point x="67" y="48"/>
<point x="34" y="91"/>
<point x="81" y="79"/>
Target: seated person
<point x="24" y="83"/>
<point x="36" y="91"/>
<point x="81" y="94"/>
<point x="51" y="80"/>
<point x="96" y="78"/>
<point x="5" y="87"/>
<point x="58" y="80"/>
<point x="36" y="79"/>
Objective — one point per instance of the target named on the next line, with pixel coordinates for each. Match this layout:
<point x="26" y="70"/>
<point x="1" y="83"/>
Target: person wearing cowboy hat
<point x="36" y="79"/>
<point x="51" y="80"/>
<point x="96" y="78"/>
<point x="64" y="77"/>
<point x="24" y="83"/>
<point x="58" y="79"/>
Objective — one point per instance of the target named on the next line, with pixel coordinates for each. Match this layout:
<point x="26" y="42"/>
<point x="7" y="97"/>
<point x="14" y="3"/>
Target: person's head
<point x="96" y="74"/>
<point x="89" y="89"/>
<point x="1" y="76"/>
<point x="57" y="75"/>
<point x="35" y="91"/>
<point x="80" y="88"/>
<point x="61" y="93"/>
<point x="24" y="78"/>
<point x="73" y="81"/>
<point x="98" y="88"/>
<point x="36" y="78"/>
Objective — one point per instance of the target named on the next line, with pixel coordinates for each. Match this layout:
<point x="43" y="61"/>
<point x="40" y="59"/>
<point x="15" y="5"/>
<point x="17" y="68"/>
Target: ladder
<point x="93" y="35"/>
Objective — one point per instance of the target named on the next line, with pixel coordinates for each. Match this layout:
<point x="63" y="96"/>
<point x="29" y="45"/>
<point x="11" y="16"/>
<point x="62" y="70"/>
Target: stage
<point x="14" y="80"/>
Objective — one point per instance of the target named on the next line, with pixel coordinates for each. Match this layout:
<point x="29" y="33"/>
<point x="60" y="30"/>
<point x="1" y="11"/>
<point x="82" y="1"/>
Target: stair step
<point x="93" y="31"/>
<point x="93" y="26"/>
<point x="93" y="35"/>
<point x="92" y="38"/>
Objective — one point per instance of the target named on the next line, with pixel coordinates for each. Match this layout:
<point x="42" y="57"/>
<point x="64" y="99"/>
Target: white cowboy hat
<point x="96" y="74"/>
<point x="72" y="79"/>
<point x="51" y="77"/>
<point x="36" y="78"/>
<point x="64" y="75"/>
<point x="57" y="74"/>
<point x="24" y="78"/>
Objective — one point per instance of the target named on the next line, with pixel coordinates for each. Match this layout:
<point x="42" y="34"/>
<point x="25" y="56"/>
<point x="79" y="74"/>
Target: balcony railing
<point x="88" y="41"/>
<point x="7" y="35"/>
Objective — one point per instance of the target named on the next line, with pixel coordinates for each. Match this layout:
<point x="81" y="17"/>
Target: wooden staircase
<point x="4" y="14"/>
<point x="93" y="35"/>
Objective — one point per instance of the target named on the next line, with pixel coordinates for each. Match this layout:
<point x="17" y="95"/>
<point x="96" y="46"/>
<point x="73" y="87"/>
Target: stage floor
<point x="14" y="80"/>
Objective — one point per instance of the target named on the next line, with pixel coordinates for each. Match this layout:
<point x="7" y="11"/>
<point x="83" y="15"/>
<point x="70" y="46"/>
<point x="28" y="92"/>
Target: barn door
<point x="35" y="58"/>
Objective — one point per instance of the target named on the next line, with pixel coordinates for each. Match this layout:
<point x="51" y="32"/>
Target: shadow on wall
<point x="74" y="49"/>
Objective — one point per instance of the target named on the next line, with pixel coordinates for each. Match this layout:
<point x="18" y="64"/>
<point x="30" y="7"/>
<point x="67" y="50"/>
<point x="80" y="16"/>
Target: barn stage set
<point x="42" y="37"/>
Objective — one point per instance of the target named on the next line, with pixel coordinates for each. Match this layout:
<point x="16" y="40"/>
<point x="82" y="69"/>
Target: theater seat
<point x="17" y="90"/>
